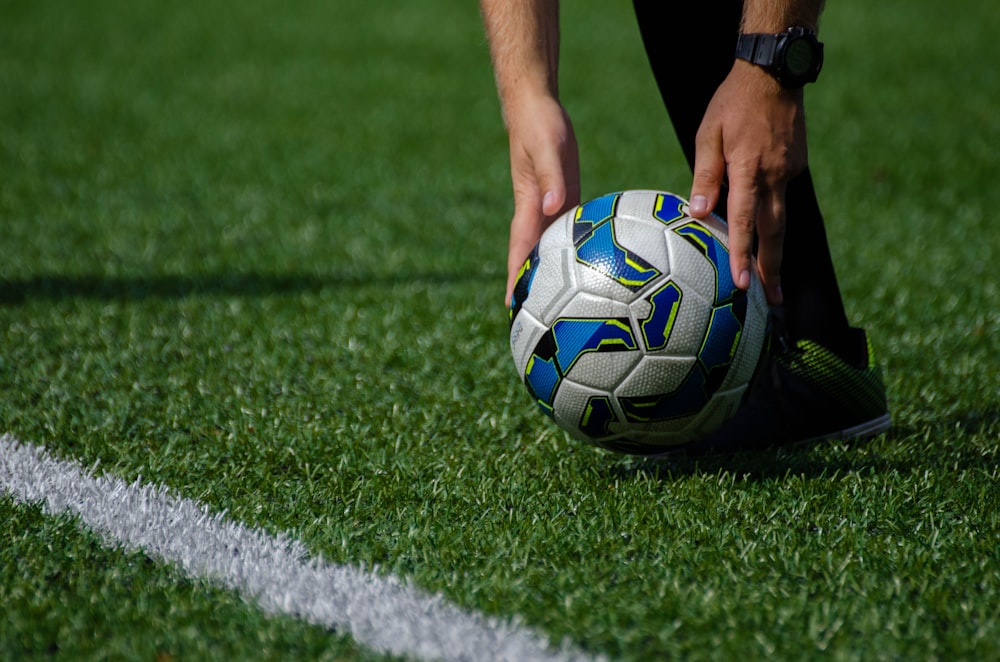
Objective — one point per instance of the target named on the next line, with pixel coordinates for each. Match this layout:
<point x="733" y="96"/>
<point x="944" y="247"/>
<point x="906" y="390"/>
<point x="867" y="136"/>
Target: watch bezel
<point x="782" y="72"/>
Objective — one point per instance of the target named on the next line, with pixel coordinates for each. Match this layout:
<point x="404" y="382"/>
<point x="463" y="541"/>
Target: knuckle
<point x="742" y="224"/>
<point x="707" y="176"/>
<point x="771" y="232"/>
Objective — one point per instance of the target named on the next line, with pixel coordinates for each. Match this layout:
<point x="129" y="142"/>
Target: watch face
<point x="799" y="57"/>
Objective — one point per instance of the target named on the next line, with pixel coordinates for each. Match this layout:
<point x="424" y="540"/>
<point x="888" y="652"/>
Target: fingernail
<point x="744" y="280"/>
<point x="547" y="201"/>
<point x="699" y="205"/>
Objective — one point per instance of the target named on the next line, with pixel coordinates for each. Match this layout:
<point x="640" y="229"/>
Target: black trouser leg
<point x="690" y="48"/>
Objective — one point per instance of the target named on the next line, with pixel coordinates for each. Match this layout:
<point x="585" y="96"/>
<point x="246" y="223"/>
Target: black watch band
<point x="757" y="48"/>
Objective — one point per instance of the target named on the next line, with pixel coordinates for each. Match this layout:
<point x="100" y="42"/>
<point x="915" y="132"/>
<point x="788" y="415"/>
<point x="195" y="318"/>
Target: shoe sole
<point x="864" y="430"/>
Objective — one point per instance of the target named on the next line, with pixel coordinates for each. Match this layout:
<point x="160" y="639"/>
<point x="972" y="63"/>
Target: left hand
<point x="754" y="132"/>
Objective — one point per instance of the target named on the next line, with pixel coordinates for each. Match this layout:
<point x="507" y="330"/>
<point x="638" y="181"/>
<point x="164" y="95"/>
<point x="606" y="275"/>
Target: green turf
<point x="66" y="595"/>
<point x="255" y="252"/>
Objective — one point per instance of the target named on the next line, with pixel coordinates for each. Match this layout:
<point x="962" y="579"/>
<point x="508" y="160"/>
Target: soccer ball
<point x="626" y="327"/>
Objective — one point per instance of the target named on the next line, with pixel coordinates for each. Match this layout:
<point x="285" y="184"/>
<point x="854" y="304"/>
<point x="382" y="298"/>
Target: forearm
<point x="524" y="47"/>
<point x="779" y="15"/>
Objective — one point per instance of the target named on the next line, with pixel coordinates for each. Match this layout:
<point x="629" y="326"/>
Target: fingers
<point x="709" y="171"/>
<point x="552" y="186"/>
<point x="753" y="134"/>
<point x="756" y="209"/>
<point x="743" y="204"/>
<point x="557" y="172"/>
<point x="534" y="212"/>
<point x="525" y="228"/>
<point x="535" y="205"/>
<point x="546" y="175"/>
<point x="770" y="243"/>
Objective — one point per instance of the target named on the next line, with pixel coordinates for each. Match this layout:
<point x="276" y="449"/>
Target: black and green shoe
<point x="802" y="393"/>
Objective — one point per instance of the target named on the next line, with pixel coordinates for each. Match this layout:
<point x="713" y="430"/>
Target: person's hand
<point x="545" y="172"/>
<point x="754" y="133"/>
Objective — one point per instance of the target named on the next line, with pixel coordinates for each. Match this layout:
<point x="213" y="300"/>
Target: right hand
<point x="754" y="131"/>
<point x="545" y="172"/>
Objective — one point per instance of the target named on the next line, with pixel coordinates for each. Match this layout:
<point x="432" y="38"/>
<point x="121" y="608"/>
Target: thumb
<point x="552" y="186"/>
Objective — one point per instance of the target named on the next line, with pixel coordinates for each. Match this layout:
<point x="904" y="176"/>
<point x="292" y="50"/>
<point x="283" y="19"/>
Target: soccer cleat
<point x="804" y="393"/>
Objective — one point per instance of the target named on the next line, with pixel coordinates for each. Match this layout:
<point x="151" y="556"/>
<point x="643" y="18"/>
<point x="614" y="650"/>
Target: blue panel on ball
<point x="669" y="208"/>
<point x="563" y="345"/>
<point x="597" y="417"/>
<point x="522" y="286"/>
<point x="656" y="328"/>
<point x="716" y="252"/>
<point x="576" y="337"/>
<point x="600" y="251"/>
<point x="542" y="378"/>
<point x="591" y="214"/>
<point x="686" y="400"/>
<point x="722" y="338"/>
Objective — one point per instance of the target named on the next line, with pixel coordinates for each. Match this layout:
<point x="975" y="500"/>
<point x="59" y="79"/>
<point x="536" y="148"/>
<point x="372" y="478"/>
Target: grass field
<point x="254" y="252"/>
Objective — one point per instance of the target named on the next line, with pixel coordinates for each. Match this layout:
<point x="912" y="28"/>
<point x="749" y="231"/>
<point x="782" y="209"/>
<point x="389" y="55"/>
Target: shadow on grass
<point x="813" y="461"/>
<point x="101" y="288"/>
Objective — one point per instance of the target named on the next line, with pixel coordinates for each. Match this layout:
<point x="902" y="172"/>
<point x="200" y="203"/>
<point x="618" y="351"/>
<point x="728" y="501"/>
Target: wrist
<point x="526" y="90"/>
<point x="525" y="102"/>
<point x="770" y="16"/>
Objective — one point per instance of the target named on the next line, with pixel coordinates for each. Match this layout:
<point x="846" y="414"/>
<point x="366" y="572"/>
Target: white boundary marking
<point x="383" y="613"/>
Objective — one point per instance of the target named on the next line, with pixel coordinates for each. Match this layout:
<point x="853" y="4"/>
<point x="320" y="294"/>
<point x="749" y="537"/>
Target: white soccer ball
<point x="626" y="326"/>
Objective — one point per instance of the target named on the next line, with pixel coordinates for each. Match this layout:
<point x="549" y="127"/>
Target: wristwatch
<point x="793" y="57"/>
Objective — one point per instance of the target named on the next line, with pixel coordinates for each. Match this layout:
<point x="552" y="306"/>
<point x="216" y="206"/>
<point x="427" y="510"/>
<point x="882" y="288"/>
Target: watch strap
<point x="757" y="48"/>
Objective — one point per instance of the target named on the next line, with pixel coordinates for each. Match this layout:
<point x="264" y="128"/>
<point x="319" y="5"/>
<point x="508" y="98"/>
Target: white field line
<point x="383" y="613"/>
